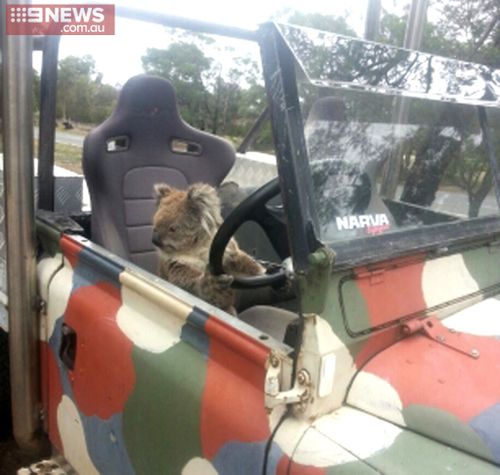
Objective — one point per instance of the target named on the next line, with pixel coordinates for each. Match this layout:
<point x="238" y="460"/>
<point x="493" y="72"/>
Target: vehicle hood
<point x="448" y="393"/>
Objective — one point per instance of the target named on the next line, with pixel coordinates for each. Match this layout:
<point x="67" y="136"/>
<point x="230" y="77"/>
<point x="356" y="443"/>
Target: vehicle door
<point x="140" y="377"/>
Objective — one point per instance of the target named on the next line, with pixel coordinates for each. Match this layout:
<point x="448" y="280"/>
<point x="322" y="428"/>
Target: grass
<point x="67" y="156"/>
<point x="78" y="129"/>
<point x="70" y="156"/>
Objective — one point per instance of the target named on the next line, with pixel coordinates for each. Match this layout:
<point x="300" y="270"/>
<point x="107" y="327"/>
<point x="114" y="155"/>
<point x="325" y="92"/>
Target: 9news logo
<point x="81" y="19"/>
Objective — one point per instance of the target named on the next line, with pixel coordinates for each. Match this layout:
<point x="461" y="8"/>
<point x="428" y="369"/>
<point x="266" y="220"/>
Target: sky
<point x="119" y="57"/>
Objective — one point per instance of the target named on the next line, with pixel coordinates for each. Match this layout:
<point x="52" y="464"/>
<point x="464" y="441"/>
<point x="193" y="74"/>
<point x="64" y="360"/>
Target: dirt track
<point x="11" y="459"/>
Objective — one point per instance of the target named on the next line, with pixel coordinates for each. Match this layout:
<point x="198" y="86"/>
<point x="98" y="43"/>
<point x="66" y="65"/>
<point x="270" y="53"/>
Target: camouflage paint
<point x="412" y="454"/>
<point x="420" y="455"/>
<point x="415" y="382"/>
<point x="186" y="396"/>
<point x="166" y="402"/>
<point x="429" y="377"/>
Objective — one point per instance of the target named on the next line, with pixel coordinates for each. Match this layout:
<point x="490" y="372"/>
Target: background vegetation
<point x="222" y="92"/>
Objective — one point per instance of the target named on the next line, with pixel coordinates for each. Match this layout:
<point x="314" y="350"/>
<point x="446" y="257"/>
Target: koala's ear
<point x="204" y="200"/>
<point x="161" y="190"/>
<point x="202" y="195"/>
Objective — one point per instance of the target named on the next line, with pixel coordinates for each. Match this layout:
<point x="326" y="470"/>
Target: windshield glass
<point x="395" y="139"/>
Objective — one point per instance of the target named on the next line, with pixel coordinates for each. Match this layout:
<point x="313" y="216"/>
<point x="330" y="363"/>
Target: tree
<point x="392" y="29"/>
<point x="332" y="23"/>
<point x="36" y="90"/>
<point x="81" y="95"/>
<point x="223" y="97"/>
<point x="74" y="77"/>
<point x="185" y="66"/>
<point x="468" y="31"/>
<point x="103" y="102"/>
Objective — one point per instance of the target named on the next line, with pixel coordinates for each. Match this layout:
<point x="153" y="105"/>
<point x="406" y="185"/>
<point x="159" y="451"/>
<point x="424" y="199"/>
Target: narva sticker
<point x="373" y="223"/>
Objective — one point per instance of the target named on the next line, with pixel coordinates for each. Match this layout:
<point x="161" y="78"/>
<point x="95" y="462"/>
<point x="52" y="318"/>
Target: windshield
<point x="395" y="139"/>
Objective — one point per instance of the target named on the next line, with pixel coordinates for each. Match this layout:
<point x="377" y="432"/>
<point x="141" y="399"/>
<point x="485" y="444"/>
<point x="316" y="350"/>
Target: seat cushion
<point x="267" y="319"/>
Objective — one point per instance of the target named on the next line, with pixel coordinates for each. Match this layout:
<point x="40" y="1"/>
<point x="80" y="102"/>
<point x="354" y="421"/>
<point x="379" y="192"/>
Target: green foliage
<point x="392" y="29"/>
<point x="221" y="90"/>
<point x="334" y="24"/>
<point x="36" y="91"/>
<point x="103" y="101"/>
<point x="467" y="31"/>
<point x="223" y="96"/>
<point x="185" y="65"/>
<point x="212" y="96"/>
<point x="81" y="96"/>
<point x="180" y="62"/>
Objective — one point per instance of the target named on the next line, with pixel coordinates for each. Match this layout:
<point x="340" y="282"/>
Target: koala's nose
<point x="156" y="238"/>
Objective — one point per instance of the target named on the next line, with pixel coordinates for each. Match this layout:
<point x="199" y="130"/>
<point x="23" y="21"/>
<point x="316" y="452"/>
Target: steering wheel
<point x="247" y="210"/>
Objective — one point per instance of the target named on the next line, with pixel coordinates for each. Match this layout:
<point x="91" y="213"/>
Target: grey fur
<point x="187" y="221"/>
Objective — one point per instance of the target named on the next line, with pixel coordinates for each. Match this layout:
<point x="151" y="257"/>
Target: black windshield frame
<point x="291" y="153"/>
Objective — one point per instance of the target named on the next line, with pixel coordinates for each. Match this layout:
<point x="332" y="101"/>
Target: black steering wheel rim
<point x="245" y="211"/>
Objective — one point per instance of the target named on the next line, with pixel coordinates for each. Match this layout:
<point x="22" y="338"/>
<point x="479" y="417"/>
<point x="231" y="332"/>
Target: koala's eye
<point x="172" y="229"/>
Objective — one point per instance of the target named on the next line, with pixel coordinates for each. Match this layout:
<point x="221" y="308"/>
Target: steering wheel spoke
<point x="245" y="211"/>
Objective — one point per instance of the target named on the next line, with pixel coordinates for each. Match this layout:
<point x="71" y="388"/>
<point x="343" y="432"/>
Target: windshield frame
<point x="294" y="171"/>
<point x="291" y="153"/>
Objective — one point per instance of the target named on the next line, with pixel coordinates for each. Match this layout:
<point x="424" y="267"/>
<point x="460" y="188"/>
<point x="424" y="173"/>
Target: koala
<point x="184" y="225"/>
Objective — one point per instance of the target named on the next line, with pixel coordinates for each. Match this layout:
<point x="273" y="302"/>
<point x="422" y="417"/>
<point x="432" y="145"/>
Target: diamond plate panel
<point x="252" y="170"/>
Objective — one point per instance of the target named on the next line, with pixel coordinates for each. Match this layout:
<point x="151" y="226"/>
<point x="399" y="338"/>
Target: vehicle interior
<point x="433" y="181"/>
<point x="378" y="164"/>
<point x="144" y="142"/>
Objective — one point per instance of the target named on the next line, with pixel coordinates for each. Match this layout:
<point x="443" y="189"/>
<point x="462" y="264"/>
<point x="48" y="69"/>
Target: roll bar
<point x="17" y="122"/>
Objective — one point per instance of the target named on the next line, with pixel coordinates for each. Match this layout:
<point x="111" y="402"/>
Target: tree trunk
<point x="474" y="205"/>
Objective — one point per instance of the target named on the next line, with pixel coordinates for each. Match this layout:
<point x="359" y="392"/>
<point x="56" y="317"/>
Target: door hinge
<point x="432" y="328"/>
<point x="298" y="395"/>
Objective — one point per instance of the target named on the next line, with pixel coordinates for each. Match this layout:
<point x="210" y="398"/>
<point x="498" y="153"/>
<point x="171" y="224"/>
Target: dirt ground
<point x="11" y="458"/>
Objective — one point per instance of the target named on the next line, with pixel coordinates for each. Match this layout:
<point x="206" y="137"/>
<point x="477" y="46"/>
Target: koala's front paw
<point x="241" y="264"/>
<point x="217" y="290"/>
<point x="223" y="280"/>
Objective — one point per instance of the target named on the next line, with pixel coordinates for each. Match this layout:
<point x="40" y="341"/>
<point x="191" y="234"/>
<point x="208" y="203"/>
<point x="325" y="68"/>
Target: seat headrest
<point x="146" y="95"/>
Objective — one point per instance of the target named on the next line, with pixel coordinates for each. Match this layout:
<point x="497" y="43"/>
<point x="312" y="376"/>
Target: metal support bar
<point x="412" y="40"/>
<point x="252" y="133"/>
<point x="173" y="21"/>
<point x="38" y="43"/>
<point x="47" y="133"/>
<point x="289" y="142"/>
<point x="415" y="25"/>
<point x="21" y="264"/>
<point x="372" y="21"/>
<point x="490" y="150"/>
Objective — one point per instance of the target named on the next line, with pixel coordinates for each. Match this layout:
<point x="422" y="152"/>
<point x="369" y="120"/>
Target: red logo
<point x="71" y="19"/>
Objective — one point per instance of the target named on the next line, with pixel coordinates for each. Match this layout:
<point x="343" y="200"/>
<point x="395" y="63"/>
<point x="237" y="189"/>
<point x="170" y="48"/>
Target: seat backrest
<point x="144" y="142"/>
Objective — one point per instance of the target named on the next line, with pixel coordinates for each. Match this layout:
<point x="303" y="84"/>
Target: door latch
<point x="298" y="395"/>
